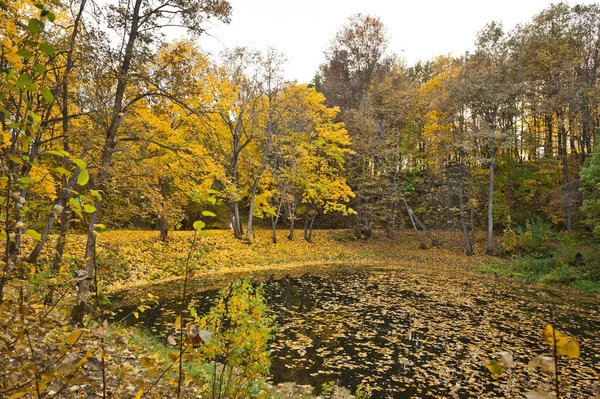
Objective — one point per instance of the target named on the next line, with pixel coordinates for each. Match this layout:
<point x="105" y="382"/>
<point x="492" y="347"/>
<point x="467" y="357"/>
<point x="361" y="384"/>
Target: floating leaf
<point x="495" y="368"/>
<point x="546" y="363"/>
<point x="539" y="394"/>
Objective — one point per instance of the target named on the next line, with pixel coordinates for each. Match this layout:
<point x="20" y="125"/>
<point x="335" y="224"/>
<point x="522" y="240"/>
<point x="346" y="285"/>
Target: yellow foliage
<point x="565" y="345"/>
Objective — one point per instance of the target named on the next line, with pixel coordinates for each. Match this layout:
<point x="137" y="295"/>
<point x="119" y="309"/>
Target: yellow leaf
<point x="147" y="362"/>
<point x="539" y="394"/>
<point x="495" y="368"/>
<point x="139" y="394"/>
<point x="177" y="323"/>
<point x="18" y="394"/>
<point x="74" y="337"/>
<point x="565" y="345"/>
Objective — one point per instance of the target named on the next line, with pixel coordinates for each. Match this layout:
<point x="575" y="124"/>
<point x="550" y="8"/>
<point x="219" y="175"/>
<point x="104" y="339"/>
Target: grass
<point x="545" y="271"/>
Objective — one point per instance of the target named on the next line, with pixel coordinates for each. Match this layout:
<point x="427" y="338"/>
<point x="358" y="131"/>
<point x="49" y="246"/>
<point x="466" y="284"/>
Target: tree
<point x="141" y="21"/>
<point x="355" y="60"/>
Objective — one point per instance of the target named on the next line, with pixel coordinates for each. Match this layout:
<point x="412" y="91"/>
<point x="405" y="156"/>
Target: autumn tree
<point x="356" y="58"/>
<point x="138" y="24"/>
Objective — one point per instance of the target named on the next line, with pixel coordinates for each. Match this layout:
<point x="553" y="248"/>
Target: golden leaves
<point x="565" y="345"/>
<point x="74" y="336"/>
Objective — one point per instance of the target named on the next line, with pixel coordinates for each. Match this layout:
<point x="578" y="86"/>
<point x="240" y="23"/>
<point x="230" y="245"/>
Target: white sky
<point x="418" y="29"/>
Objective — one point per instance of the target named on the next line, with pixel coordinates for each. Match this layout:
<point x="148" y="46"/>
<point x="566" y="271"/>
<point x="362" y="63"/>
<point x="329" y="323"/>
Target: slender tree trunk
<point x="37" y="250"/>
<point x="412" y="219"/>
<point x="292" y="218"/>
<point x="358" y="231"/>
<point x="490" y="237"/>
<point x="566" y="190"/>
<point x="62" y="240"/>
<point x="472" y="211"/>
<point x="310" y="228"/>
<point x="275" y="219"/>
<point x="107" y="154"/>
<point x="306" y="219"/>
<point x="163" y="227"/>
<point x="463" y="224"/>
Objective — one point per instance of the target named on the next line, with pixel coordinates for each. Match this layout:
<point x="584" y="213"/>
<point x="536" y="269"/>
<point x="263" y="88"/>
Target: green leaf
<point x="63" y="171"/>
<point x="39" y="68"/>
<point x="35" y="26"/>
<point x="100" y="226"/>
<point x="48" y="14"/>
<point x="96" y="194"/>
<point x="83" y="178"/>
<point x="60" y="153"/>
<point x="24" y="182"/>
<point x="47" y="48"/>
<point x="48" y="96"/>
<point x="80" y="162"/>
<point x="209" y="213"/>
<point x="33" y="234"/>
<point x="87" y="208"/>
<point x="24" y="53"/>
<point x="199" y="225"/>
<point x="212" y="200"/>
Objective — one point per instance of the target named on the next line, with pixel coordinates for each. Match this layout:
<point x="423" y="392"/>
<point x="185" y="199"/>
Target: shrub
<point x="240" y="329"/>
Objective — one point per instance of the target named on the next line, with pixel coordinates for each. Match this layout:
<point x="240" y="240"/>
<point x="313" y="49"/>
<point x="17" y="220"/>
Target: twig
<point x="556" y="376"/>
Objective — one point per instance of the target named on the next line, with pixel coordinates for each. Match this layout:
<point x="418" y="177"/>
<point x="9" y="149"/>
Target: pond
<point x="415" y="334"/>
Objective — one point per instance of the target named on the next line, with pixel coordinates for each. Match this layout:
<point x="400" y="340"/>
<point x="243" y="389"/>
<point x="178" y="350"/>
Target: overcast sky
<point x="418" y="29"/>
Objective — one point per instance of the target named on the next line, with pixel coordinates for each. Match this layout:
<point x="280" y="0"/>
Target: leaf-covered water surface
<point x="422" y="334"/>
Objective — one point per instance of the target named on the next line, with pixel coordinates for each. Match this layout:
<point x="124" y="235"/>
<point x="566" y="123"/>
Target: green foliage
<point x="590" y="178"/>
<point x="327" y="388"/>
<point x="537" y="239"/>
<point x="363" y="391"/>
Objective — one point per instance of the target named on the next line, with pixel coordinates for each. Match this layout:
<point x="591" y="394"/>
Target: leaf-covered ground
<point x="414" y="324"/>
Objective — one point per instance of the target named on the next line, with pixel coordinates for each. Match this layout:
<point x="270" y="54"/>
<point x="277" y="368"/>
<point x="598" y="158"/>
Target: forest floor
<point x="135" y="263"/>
<point x="129" y="259"/>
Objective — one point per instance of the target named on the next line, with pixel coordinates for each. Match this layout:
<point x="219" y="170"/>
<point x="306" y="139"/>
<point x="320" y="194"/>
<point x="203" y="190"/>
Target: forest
<point x="176" y="223"/>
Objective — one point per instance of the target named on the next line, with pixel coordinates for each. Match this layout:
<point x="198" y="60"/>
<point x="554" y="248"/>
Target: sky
<point x="418" y="29"/>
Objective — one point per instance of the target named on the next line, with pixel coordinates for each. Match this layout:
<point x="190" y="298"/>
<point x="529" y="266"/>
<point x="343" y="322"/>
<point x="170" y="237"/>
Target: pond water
<point x="415" y="335"/>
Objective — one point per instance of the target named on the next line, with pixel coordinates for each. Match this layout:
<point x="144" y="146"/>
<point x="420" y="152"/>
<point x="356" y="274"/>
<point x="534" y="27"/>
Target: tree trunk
<point x="274" y="229"/>
<point x="163" y="227"/>
<point x="290" y="236"/>
<point x="358" y="231"/>
<point x="412" y="219"/>
<point x="310" y="229"/>
<point x="490" y="237"/>
<point x="37" y="250"/>
<point x="566" y="190"/>
<point x="463" y="224"/>
<point x="107" y="154"/>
